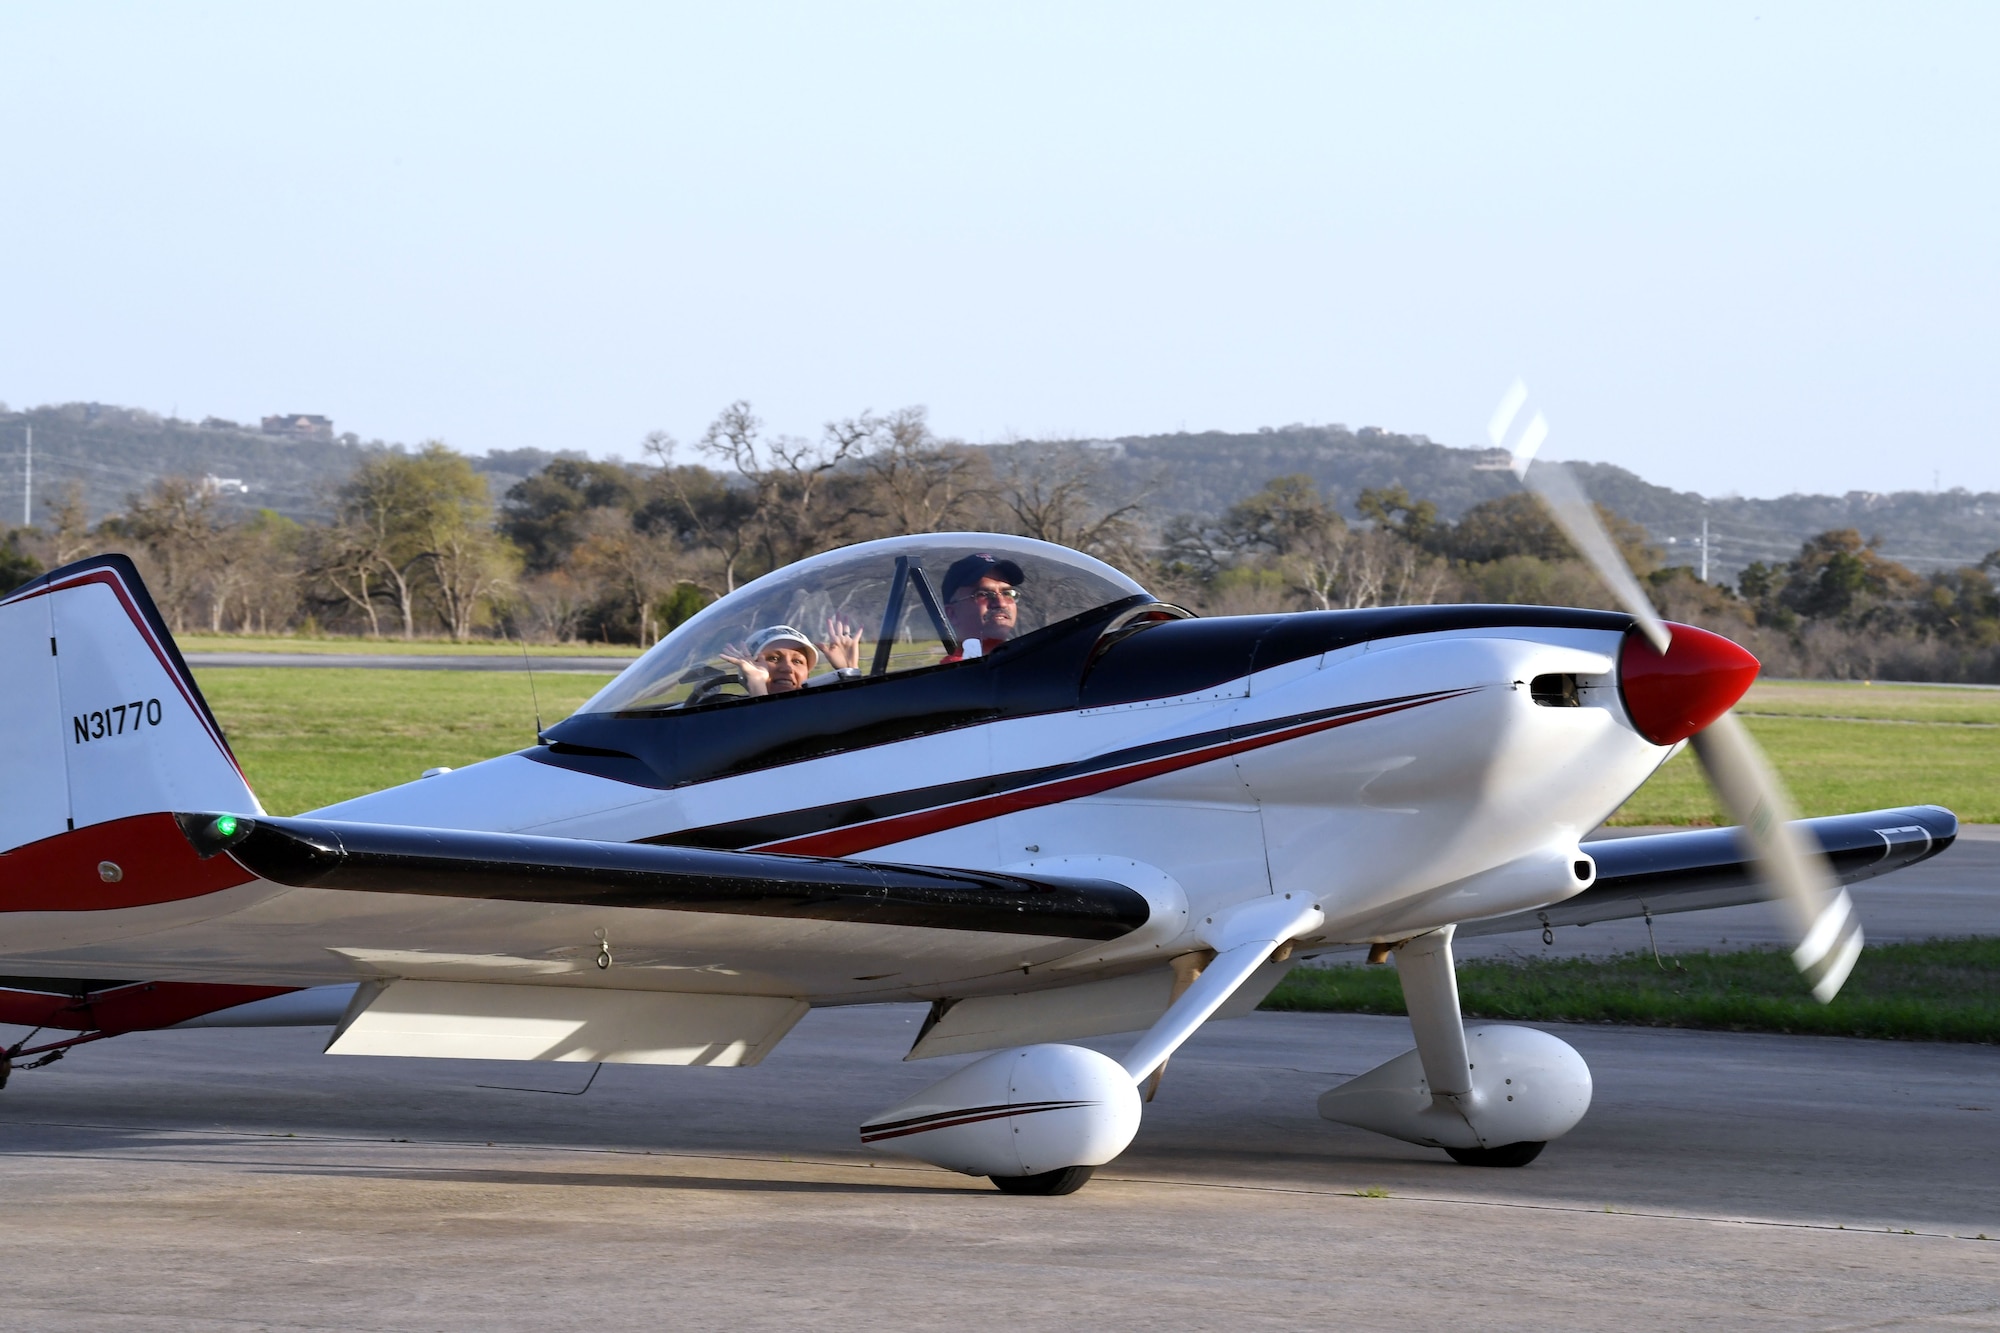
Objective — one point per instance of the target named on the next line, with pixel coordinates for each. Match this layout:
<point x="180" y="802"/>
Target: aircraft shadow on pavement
<point x="619" y="1180"/>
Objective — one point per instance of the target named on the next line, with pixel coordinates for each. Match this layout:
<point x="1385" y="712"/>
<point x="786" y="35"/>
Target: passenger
<point x="781" y="659"/>
<point x="981" y="601"/>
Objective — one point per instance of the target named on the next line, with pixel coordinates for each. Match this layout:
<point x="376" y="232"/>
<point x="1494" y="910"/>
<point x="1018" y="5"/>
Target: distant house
<point x="300" y="427"/>
<point x="214" y="485"/>
<point x="1493" y="460"/>
<point x="219" y="423"/>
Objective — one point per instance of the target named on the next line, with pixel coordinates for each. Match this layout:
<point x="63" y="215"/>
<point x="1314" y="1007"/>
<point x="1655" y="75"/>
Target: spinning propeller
<point x="1678" y="685"/>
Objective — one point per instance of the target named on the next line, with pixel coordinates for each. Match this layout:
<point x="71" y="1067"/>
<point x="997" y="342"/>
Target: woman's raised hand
<point x="842" y="645"/>
<point x="756" y="676"/>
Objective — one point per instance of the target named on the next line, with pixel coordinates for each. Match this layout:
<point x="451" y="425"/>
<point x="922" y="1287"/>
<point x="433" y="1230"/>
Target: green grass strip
<point x="1937" y="990"/>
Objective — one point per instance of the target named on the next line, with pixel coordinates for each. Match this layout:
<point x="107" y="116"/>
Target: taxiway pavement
<point x="240" y="1179"/>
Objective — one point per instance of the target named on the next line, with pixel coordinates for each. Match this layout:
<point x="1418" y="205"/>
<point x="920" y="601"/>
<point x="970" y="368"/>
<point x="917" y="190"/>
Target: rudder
<point x="100" y="717"/>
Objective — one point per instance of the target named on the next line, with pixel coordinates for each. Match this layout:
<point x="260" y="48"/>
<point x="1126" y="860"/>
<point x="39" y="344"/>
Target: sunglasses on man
<point x="993" y="596"/>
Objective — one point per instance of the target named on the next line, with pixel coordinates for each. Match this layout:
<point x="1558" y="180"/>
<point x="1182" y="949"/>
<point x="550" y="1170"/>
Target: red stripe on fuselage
<point x="900" y="828"/>
<point x="155" y="864"/>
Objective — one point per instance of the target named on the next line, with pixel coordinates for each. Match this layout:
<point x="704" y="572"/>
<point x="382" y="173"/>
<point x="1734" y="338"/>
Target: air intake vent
<point x="1555" y="691"/>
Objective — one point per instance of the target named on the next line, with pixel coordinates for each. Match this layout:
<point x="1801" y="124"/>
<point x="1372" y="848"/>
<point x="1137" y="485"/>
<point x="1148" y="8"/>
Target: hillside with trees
<point x="1208" y="472"/>
<point x="106" y="454"/>
<point x="562" y="548"/>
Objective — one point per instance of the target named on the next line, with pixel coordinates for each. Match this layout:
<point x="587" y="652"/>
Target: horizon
<point x="251" y="427"/>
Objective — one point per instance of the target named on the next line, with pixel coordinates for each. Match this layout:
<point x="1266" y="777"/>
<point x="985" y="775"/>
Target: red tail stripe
<point x="139" y="1007"/>
<point x="155" y="865"/>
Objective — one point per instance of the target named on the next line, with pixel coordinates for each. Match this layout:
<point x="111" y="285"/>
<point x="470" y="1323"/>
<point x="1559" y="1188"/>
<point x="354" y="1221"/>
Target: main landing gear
<point x="1068" y="1180"/>
<point x="1507" y="1154"/>
<point x="1490" y="1095"/>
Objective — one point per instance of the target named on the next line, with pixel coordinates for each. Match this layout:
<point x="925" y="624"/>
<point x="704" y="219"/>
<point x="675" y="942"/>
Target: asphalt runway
<point x="240" y="1179"/>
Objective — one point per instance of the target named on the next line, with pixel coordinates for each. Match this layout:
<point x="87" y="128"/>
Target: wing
<point x="1701" y="868"/>
<point x="507" y="867"/>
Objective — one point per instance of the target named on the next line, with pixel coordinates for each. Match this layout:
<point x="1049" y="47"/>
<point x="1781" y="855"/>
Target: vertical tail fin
<point x="99" y="716"/>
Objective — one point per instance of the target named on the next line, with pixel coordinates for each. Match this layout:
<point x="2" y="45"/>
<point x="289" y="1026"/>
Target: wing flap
<point x="482" y="1021"/>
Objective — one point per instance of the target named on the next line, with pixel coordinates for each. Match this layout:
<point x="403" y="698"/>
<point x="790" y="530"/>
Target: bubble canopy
<point x="892" y="593"/>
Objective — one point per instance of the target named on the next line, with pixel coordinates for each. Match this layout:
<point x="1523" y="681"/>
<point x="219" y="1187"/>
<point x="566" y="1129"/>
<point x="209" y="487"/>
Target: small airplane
<point x="1031" y="795"/>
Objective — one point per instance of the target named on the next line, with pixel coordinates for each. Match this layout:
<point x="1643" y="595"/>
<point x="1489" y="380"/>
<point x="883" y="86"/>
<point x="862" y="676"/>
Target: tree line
<point x="620" y="552"/>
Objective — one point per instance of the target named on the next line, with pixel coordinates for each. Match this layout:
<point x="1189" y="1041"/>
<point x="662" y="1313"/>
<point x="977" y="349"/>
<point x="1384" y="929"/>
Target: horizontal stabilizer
<point x="1659" y="873"/>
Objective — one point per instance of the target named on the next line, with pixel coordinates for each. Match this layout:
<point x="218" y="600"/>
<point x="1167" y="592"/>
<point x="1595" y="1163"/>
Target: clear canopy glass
<point x="890" y="592"/>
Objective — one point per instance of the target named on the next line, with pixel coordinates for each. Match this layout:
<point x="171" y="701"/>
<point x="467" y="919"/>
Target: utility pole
<point x="28" y="484"/>
<point x="1704" y="548"/>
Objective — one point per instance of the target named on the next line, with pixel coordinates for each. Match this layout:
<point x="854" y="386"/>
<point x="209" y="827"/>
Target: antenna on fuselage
<point x="533" y="693"/>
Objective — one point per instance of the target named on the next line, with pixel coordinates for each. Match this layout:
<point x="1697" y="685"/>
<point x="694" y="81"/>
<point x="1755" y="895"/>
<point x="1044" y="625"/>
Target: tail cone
<point x="1670" y="697"/>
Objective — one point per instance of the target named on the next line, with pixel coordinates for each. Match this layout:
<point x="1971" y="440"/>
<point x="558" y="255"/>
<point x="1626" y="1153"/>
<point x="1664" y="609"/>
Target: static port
<point x="1555" y="691"/>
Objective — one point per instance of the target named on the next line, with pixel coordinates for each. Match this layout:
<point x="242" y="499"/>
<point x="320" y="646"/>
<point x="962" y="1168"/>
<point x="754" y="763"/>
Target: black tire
<point x="1507" y="1154"/>
<point x="1068" y="1180"/>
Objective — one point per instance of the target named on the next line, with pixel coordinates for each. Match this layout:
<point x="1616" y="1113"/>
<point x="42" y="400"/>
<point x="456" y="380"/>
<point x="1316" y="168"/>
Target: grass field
<point x="1849" y="746"/>
<point x="293" y="643"/>
<point x="310" y="736"/>
<point x="1940" y="990"/>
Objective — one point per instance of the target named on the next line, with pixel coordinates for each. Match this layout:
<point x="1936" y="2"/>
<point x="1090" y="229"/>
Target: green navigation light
<point x="225" y="827"/>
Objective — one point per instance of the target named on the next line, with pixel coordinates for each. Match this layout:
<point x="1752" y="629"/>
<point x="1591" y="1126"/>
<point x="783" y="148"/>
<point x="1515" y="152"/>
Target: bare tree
<point x="469" y="565"/>
<point x="1052" y="492"/>
<point x="718" y="517"/>
<point x="176" y="521"/>
<point x="380" y="555"/>
<point x="635" y="567"/>
<point x="419" y="529"/>
<point x="551" y="604"/>
<point x="341" y="559"/>
<point x="69" y="524"/>
<point x="920" y="483"/>
<point x="781" y="506"/>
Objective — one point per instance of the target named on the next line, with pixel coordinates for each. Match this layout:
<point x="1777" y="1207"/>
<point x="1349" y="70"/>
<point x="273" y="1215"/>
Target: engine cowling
<point x="1022" y="1112"/>
<point x="1527" y="1087"/>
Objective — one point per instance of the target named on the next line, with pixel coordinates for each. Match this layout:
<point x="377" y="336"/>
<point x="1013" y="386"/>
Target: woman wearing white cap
<point x="780" y="658"/>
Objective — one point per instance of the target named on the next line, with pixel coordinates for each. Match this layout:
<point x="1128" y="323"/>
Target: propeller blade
<point x="1577" y="517"/>
<point x="1818" y="911"/>
<point x="1573" y="512"/>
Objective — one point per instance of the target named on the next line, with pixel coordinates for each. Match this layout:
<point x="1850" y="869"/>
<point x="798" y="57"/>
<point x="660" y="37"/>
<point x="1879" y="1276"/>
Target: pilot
<point x="781" y="659"/>
<point x="981" y="595"/>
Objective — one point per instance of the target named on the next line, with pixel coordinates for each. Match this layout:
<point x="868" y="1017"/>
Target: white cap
<point x="786" y="635"/>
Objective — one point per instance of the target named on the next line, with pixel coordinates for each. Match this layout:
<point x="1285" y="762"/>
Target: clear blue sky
<point x="1742" y="248"/>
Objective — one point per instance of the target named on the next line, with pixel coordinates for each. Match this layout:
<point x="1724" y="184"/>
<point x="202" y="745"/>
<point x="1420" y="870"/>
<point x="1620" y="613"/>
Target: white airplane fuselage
<point x="1403" y="783"/>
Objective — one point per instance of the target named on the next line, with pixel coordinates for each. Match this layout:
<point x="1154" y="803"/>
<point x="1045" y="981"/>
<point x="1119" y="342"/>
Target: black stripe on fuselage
<point x="783" y="825"/>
